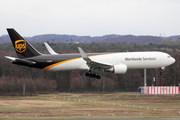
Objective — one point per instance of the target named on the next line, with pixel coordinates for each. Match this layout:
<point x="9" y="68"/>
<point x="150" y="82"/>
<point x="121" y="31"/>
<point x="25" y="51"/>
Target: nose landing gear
<point x="162" y="70"/>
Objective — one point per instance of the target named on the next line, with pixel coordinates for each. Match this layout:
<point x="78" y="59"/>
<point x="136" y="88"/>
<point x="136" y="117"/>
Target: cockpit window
<point x="169" y="56"/>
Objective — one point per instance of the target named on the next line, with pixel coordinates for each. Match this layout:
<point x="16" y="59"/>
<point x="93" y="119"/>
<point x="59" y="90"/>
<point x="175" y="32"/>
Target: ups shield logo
<point x="20" y="45"/>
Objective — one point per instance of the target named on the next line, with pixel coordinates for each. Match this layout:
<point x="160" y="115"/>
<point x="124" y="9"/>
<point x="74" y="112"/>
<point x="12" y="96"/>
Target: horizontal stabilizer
<point x="25" y="61"/>
<point x="11" y="58"/>
<point x="21" y="61"/>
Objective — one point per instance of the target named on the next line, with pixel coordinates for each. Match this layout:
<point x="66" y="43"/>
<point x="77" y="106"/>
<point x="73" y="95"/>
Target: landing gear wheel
<point x="98" y="76"/>
<point x="87" y="74"/>
<point x="162" y="72"/>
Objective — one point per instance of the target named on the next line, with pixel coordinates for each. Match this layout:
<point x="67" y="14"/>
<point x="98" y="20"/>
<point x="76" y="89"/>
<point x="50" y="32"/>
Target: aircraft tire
<point x="87" y="74"/>
<point x="98" y="77"/>
<point x="93" y="76"/>
<point x="161" y="73"/>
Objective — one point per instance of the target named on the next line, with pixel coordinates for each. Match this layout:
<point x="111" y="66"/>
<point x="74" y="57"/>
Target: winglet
<point x="83" y="54"/>
<point x="50" y="50"/>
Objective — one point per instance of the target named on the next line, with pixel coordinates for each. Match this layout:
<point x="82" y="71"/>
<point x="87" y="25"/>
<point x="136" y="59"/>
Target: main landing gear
<point x="88" y="74"/>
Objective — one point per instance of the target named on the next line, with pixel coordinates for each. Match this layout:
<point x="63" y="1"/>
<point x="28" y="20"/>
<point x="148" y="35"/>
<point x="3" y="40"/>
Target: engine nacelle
<point x="117" y="69"/>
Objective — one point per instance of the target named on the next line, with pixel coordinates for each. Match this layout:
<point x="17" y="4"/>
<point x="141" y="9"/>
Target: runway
<point x="136" y="119"/>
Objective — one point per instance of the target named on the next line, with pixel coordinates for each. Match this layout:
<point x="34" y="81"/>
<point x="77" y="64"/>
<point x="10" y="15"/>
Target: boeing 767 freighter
<point x="93" y="63"/>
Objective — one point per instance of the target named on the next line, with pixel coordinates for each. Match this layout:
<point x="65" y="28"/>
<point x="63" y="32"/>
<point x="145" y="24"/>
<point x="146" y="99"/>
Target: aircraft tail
<point x="22" y="47"/>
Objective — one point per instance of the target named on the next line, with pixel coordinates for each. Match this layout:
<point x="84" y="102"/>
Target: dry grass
<point x="88" y="105"/>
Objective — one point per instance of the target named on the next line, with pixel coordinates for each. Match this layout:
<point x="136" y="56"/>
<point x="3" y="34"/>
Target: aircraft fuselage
<point x="133" y="60"/>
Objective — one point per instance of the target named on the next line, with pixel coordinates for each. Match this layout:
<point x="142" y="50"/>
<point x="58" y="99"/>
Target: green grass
<point x="89" y="106"/>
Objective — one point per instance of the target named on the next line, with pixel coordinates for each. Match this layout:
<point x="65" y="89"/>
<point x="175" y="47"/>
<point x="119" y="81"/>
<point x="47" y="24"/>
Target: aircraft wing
<point x="92" y="63"/>
<point x="50" y="50"/>
<point x="101" y="65"/>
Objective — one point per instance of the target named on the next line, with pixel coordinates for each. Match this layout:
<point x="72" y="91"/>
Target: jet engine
<point x="117" y="69"/>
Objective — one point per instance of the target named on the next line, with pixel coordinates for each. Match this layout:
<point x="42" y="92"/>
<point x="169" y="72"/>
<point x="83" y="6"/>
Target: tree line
<point x="20" y="80"/>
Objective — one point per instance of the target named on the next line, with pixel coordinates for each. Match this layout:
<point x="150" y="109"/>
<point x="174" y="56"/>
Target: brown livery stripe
<point x="50" y="66"/>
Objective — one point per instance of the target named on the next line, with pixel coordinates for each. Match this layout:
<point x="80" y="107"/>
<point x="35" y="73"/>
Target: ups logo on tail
<point x="20" y="45"/>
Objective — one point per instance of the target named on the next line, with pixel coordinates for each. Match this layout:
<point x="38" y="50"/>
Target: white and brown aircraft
<point x="93" y="63"/>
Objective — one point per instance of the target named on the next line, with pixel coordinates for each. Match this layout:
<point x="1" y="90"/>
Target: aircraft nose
<point x="172" y="60"/>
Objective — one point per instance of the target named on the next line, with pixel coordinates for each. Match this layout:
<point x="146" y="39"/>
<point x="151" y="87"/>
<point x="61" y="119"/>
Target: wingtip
<point x="9" y="28"/>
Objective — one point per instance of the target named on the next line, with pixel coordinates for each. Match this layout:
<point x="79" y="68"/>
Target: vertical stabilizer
<point x="22" y="47"/>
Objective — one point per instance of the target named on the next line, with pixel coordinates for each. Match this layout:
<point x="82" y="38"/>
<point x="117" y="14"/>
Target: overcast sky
<point x="91" y="17"/>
